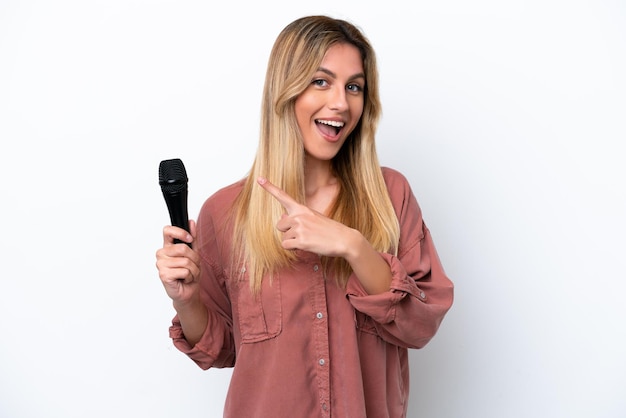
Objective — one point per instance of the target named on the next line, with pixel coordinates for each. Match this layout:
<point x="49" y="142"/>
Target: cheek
<point x="356" y="112"/>
<point x="302" y="110"/>
<point x="357" y="104"/>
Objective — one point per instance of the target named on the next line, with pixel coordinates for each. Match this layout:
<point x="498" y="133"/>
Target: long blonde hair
<point x="362" y="203"/>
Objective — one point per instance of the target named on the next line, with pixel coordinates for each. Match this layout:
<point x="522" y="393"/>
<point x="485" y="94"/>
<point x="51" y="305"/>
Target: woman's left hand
<point x="308" y="230"/>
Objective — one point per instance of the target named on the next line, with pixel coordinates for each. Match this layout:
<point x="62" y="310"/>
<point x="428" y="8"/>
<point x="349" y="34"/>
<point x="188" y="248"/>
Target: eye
<point x="354" y="88"/>
<point x="320" y="82"/>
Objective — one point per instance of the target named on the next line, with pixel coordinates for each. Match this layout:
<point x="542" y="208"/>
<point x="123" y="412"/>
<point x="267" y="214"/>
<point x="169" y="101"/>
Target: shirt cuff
<point x="382" y="307"/>
<point x="198" y="353"/>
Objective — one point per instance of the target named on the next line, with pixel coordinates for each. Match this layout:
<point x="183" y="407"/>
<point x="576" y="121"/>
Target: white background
<point x="508" y="118"/>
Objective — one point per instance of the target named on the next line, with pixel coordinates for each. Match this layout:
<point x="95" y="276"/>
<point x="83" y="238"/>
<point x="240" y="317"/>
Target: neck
<point x="317" y="174"/>
<point x="320" y="185"/>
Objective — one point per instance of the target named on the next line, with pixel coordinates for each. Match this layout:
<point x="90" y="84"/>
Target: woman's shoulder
<point x="402" y="198"/>
<point x="223" y="199"/>
<point x="230" y="191"/>
<point x="395" y="180"/>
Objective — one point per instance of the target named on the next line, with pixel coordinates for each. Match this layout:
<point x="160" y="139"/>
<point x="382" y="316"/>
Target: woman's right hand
<point x="179" y="265"/>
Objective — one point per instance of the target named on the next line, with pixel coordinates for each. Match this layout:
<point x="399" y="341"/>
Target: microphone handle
<point x="177" y="208"/>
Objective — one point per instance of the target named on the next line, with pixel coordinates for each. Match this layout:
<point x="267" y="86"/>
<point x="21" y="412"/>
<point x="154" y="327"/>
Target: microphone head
<point x="172" y="176"/>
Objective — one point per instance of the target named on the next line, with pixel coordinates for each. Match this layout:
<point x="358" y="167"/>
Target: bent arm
<point x="368" y="266"/>
<point x="202" y="327"/>
<point x="420" y="293"/>
<point x="192" y="316"/>
<point x="203" y="330"/>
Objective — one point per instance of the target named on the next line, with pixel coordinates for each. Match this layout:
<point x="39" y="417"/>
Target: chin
<point x="321" y="156"/>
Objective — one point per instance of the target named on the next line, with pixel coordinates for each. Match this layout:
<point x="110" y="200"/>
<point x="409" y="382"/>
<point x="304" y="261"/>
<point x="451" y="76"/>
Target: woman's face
<point x="331" y="106"/>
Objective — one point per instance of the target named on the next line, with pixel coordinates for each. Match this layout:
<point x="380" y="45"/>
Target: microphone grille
<point x="172" y="176"/>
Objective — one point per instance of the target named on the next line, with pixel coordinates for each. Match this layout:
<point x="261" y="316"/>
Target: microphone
<point x="173" y="180"/>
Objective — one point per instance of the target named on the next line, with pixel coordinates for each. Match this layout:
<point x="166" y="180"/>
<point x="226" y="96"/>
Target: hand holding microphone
<point x="179" y="267"/>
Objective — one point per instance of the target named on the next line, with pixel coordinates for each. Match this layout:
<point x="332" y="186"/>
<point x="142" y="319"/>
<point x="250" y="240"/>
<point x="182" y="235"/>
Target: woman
<point x="313" y="275"/>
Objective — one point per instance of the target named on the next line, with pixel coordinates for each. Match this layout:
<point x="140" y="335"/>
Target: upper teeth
<point x="332" y="123"/>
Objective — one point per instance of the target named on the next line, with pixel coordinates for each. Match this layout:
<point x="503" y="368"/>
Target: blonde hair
<point x="362" y="203"/>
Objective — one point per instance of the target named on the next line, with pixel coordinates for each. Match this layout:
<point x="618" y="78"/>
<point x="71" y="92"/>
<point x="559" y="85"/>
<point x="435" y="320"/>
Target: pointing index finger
<point x="279" y="194"/>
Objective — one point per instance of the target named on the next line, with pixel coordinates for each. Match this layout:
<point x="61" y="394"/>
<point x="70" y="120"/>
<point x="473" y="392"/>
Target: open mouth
<point x="330" y="128"/>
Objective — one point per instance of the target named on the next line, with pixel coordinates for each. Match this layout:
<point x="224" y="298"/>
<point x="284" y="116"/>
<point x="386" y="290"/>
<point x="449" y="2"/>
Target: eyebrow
<point x="333" y="75"/>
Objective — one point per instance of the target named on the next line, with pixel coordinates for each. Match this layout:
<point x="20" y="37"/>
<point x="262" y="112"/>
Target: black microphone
<point x="173" y="180"/>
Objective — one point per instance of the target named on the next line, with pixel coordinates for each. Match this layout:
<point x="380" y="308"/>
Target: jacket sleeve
<point x="216" y="347"/>
<point x="420" y="295"/>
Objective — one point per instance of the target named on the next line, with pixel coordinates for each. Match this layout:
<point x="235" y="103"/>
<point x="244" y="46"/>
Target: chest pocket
<point x="260" y="316"/>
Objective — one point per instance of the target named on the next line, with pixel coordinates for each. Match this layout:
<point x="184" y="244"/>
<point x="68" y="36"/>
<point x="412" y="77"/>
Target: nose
<point x="338" y="100"/>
